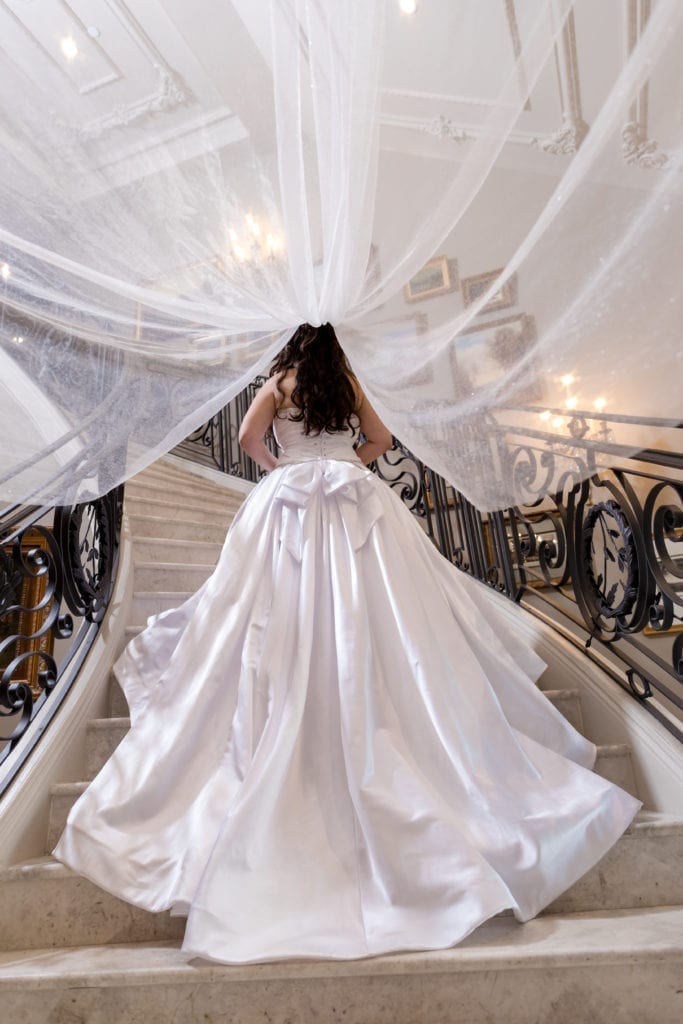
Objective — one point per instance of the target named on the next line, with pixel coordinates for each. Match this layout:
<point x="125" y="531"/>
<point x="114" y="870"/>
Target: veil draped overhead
<point x="485" y="199"/>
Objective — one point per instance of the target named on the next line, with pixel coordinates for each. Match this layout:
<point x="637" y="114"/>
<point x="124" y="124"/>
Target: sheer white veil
<point x="484" y="199"/>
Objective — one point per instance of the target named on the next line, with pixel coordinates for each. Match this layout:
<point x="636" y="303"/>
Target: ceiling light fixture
<point x="69" y="48"/>
<point x="408" y="6"/>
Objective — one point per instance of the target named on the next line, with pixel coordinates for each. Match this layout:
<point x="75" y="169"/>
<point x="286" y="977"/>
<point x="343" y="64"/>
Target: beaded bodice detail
<point x="296" y="446"/>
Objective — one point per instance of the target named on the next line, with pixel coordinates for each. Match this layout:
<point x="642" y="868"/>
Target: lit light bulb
<point x="545" y="415"/>
<point x="408" y="6"/>
<point x="558" y="421"/>
<point x="253" y="226"/>
<point x="567" y="380"/>
<point x="571" y="402"/>
<point x="240" y="253"/>
<point x="69" y="48"/>
<point x="274" y="243"/>
<point x="600" y="404"/>
<point x="233" y="235"/>
<point x="4" y="271"/>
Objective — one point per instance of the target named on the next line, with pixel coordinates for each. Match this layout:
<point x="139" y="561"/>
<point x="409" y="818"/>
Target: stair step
<point x="623" y="967"/>
<point x="186" y="509"/>
<point x="190" y="487"/>
<point x="63" y="795"/>
<point x="609" y="764"/>
<point x="618" y="880"/>
<point x="614" y="763"/>
<point x="45" y="903"/>
<point x="154" y="576"/>
<point x="151" y="602"/>
<point x="118" y="705"/>
<point x="569" y="703"/>
<point x="164" y="471"/>
<point x="127" y="636"/>
<point x="102" y="737"/>
<point x="160" y="526"/>
<point x="167" y="549"/>
<point x="218" y="502"/>
<point x="100" y="729"/>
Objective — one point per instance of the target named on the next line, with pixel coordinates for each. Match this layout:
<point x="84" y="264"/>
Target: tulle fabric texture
<point x="337" y="747"/>
<point x="166" y="226"/>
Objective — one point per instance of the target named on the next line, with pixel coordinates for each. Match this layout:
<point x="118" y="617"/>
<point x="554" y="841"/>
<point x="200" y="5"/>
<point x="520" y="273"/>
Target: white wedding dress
<point x="337" y="747"/>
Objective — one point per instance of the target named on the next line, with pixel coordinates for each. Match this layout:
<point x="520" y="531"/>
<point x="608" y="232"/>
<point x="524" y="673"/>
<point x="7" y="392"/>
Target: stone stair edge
<point x="161" y="477"/>
<point x="174" y="565"/>
<point x="146" y="492"/>
<point x="175" y="503"/>
<point x="184" y="471"/>
<point x="542" y="942"/>
<point x="177" y="542"/>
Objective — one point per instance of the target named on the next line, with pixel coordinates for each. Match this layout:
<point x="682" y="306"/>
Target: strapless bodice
<point x="296" y="446"/>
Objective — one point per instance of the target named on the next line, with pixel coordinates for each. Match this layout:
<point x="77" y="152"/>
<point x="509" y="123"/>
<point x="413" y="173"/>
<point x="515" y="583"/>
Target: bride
<point x="337" y="747"/>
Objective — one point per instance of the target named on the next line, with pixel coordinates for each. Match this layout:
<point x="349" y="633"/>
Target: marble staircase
<point x="608" y="949"/>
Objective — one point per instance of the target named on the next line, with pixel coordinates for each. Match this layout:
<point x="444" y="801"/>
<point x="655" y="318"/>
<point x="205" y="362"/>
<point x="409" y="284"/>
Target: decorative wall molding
<point x="445" y="128"/>
<point x="640" y="151"/>
<point x="636" y="148"/>
<point x="513" y="28"/>
<point x="168" y="95"/>
<point x="440" y="97"/>
<point x="568" y="138"/>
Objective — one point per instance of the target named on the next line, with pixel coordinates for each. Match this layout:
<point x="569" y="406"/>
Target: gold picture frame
<point x="504" y="298"/>
<point x="28" y="623"/>
<point x="439" y="276"/>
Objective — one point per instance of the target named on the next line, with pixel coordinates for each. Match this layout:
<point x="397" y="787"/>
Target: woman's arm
<point x="379" y="439"/>
<point x="258" y="418"/>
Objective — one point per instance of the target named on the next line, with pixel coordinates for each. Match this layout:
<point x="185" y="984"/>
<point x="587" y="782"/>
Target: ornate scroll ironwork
<point x="57" y="566"/>
<point x="600" y="547"/>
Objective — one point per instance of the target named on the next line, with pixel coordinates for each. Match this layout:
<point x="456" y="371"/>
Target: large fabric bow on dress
<point x="309" y="490"/>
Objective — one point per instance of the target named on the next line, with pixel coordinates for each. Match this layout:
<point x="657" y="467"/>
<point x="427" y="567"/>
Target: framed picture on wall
<point x="474" y="287"/>
<point x="485" y="352"/>
<point x="438" y="277"/>
<point x="401" y="330"/>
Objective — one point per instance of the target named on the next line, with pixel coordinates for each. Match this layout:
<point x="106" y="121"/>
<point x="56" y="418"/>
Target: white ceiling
<point x="186" y="66"/>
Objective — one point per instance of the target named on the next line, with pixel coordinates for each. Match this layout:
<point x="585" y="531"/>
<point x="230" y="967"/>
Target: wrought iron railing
<point x="601" y="558"/>
<point x="57" y="571"/>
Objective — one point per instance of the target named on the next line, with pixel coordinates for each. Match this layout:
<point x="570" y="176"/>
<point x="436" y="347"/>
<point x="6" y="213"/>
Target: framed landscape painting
<point x="485" y="352"/>
<point x="474" y="287"/>
<point x="438" y="277"/>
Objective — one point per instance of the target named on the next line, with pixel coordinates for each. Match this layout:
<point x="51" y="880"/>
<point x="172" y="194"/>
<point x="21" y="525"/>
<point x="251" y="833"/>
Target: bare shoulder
<point x="282" y="386"/>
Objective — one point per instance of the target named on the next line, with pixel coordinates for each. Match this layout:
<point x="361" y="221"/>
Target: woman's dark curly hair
<point x="324" y="391"/>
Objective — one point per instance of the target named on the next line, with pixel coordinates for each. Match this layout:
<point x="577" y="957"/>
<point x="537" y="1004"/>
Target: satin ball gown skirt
<point x="337" y="747"/>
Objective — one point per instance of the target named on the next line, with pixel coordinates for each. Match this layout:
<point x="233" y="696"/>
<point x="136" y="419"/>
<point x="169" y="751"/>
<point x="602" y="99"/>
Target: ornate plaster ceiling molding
<point x="445" y="128"/>
<point x="168" y="95"/>
<point x="568" y="138"/>
<point x="636" y="148"/>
